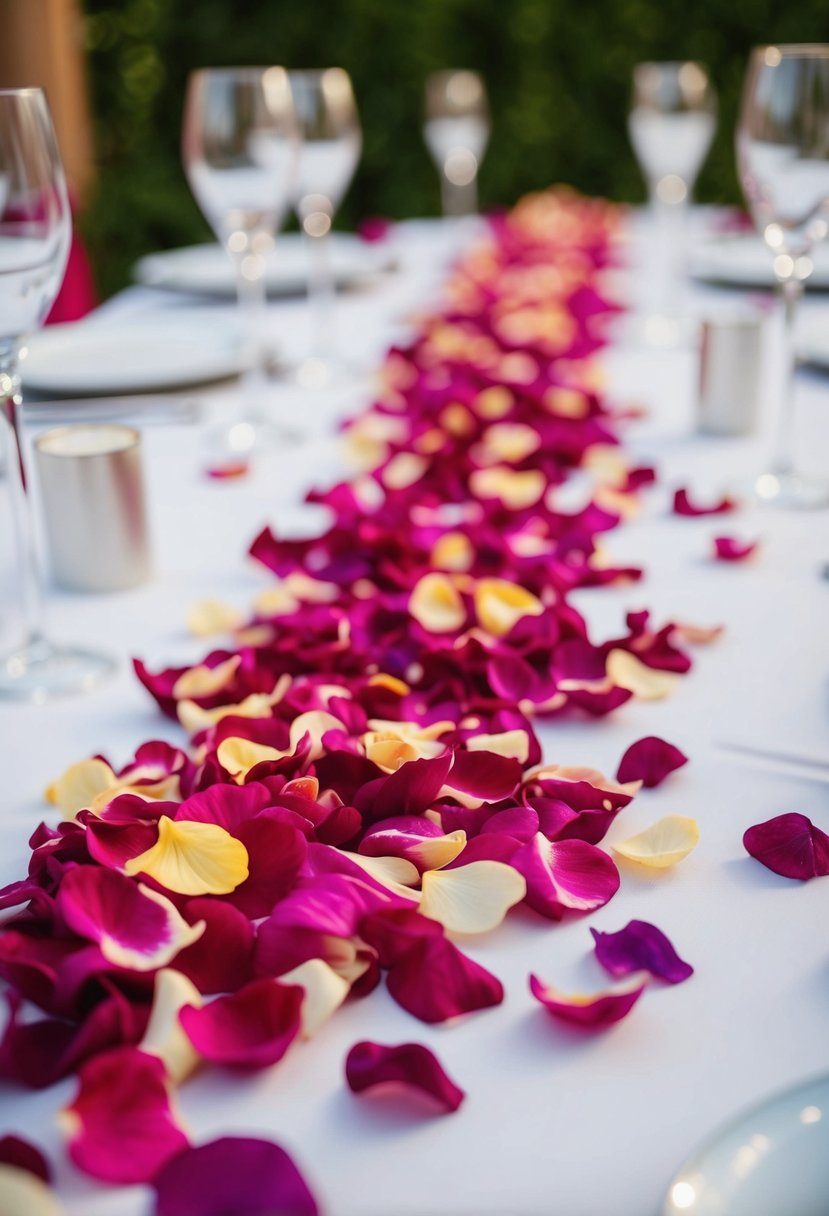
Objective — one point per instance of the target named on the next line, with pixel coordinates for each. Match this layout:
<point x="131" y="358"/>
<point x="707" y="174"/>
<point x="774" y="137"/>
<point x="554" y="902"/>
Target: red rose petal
<point x="650" y="760"/>
<point x="790" y="845"/>
<point x="238" y="1175"/>
<point x="369" y="1065"/>
<point x="596" y="1010"/>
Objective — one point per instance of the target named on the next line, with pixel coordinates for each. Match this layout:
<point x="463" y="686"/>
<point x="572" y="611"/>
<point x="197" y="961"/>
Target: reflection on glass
<point x="671" y="124"/>
<point x="331" y="147"/>
<point x="35" y="229"/>
<point x="456" y="132"/>
<point x="783" y="162"/>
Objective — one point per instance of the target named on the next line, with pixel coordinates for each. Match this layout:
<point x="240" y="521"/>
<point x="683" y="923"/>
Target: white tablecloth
<point x="554" y="1121"/>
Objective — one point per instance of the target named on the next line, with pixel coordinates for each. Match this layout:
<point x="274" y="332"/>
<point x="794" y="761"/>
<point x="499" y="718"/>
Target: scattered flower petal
<point x="324" y="991"/>
<point x="646" y="683"/>
<point x="640" y="947"/>
<point x="471" y="899"/>
<point x="663" y="844"/>
<point x="729" y="549"/>
<point x="164" y="1036"/>
<point x="592" y="1010"/>
<point x="650" y="760"/>
<point x="790" y="845"/>
<point x="683" y="505"/>
<point x="193" y="858"/>
<point x="411" y="1065"/>
<point x="251" y="1028"/>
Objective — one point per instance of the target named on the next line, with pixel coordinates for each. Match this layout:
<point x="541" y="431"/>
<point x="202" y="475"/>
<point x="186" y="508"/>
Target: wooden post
<point x="42" y="44"/>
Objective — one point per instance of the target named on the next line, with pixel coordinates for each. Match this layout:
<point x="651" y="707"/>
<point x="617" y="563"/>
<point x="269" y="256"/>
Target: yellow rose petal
<point x="500" y="604"/>
<point x="511" y="442"/>
<point x="238" y="756"/>
<point x="403" y="470"/>
<point x="663" y="844"/>
<point x="646" y="683"/>
<point x="164" y="1036"/>
<point x="23" y="1193"/>
<point x="437" y="851"/>
<point x="325" y="991"/>
<point x="453" y="552"/>
<point x="472" y="899"/>
<point x="275" y="601"/>
<point x="436" y="604"/>
<point x="202" y="681"/>
<point x="514" y="744"/>
<point x="390" y="683"/>
<point x="213" y="616"/>
<point x="80" y="786"/>
<point x="516" y="490"/>
<point x="494" y="402"/>
<point x="192" y="858"/>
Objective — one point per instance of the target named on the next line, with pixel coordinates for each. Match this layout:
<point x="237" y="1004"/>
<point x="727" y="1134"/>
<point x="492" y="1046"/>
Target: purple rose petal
<point x="238" y="1175"/>
<point x="640" y="947"/>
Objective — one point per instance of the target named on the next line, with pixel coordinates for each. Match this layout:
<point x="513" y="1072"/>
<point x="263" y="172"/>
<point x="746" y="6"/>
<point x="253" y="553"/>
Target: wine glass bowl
<point x="35" y="234"/>
<point x="782" y="144"/>
<point x="456" y="132"/>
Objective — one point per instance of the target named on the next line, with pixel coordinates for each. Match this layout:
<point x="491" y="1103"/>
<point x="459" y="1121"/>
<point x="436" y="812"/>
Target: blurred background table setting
<point x="211" y="235"/>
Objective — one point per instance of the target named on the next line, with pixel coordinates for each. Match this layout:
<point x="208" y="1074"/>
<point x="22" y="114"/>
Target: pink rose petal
<point x="790" y="845"/>
<point x="565" y="875"/>
<point x="650" y="760"/>
<point x="595" y="1010"/>
<point x="729" y="549"/>
<point x="121" y="1128"/>
<point x="640" y="947"/>
<point x="238" y="1175"/>
<point x="251" y="1028"/>
<point x="683" y="505"/>
<point x="369" y="1065"/>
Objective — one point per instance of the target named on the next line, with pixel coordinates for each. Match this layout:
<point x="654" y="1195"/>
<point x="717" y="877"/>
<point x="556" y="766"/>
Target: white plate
<point x="813" y="341"/>
<point x="744" y="261"/>
<point x="94" y="359"/>
<point x="770" y="1161"/>
<point x="207" y="269"/>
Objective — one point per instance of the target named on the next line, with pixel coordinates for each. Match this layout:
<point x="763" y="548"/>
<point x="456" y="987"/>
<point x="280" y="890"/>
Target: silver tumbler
<point x="92" y="491"/>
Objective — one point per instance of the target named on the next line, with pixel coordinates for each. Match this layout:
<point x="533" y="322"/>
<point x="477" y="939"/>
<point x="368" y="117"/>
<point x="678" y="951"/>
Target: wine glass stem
<point x="29" y="582"/>
<point x="252" y="296"/>
<point x="669" y="224"/>
<point x="458" y="199"/>
<point x="791" y="290"/>
<point x="321" y="298"/>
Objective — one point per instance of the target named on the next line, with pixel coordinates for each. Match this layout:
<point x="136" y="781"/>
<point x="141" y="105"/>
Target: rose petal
<point x="238" y="1175"/>
<point x="192" y="858"/>
<point x="790" y="845"/>
<point x="434" y="981"/>
<point x="728" y="549"/>
<point x="640" y="947"/>
<point x="650" y="760"/>
<point x="25" y="1194"/>
<point x="324" y="991"/>
<point x="565" y="875"/>
<point x="592" y="1010"/>
<point x="663" y="844"/>
<point x="436" y="604"/>
<point x="471" y="899"/>
<point x="120" y="1125"/>
<point x="22" y="1155"/>
<point x="499" y="605"/>
<point x="164" y="1036"/>
<point x="646" y="683"/>
<point x="251" y="1028"/>
<point x="80" y="785"/>
<point x="213" y="616"/>
<point x="412" y="1065"/>
<point x="684" y="506"/>
<point x="133" y="926"/>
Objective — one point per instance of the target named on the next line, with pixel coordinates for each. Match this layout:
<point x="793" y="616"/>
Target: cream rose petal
<point x="193" y="858"/>
<point x="436" y="604"/>
<point x="514" y="744"/>
<point x="663" y="844"/>
<point x="238" y="756"/>
<point x="213" y="616"/>
<point x="395" y="873"/>
<point x="516" y="490"/>
<point x="25" y="1194"/>
<point x="325" y="991"/>
<point x="646" y="683"/>
<point x="80" y="786"/>
<point x="202" y="681"/>
<point x="471" y="899"/>
<point x="499" y="604"/>
<point x="437" y="851"/>
<point x="164" y="1036"/>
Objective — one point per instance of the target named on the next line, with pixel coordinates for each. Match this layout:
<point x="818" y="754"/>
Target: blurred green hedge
<point x="557" y="72"/>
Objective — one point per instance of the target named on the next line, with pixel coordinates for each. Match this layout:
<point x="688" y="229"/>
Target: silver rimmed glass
<point x="456" y="131"/>
<point x="783" y="162"/>
<point x="672" y="119"/>
<point x="240" y="145"/>
<point x="331" y="145"/>
<point x="35" y="231"/>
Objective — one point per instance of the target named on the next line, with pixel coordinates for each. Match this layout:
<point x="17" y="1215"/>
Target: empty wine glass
<point x="35" y="230"/>
<point x="671" y="124"/>
<point x="240" y="144"/>
<point x="783" y="162"/>
<point x="456" y="132"/>
<point x="331" y="146"/>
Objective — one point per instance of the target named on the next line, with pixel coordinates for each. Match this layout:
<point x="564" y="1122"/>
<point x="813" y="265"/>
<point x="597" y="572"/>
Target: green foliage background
<point x="557" y="73"/>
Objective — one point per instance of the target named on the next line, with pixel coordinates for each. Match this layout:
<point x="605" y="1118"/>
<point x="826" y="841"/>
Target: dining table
<point x="556" y="1118"/>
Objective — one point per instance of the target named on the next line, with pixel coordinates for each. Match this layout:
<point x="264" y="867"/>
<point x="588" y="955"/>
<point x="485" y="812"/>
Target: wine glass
<point x="456" y="132"/>
<point x="35" y="232"/>
<point x="783" y="162"/>
<point x="331" y="146"/>
<point x="671" y="124"/>
<point x="240" y="144"/>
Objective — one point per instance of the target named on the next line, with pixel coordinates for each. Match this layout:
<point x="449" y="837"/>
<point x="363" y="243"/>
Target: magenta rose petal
<point x="251" y="1028"/>
<point x="120" y="1125"/>
<point x="790" y="845"/>
<point x="411" y="1065"/>
<point x="435" y="981"/>
<point x="650" y="760"/>
<point x="684" y="505"/>
<point x="16" y="1151"/>
<point x="242" y="1175"/>
<point x="640" y="947"/>
<point x="565" y="875"/>
<point x="595" y="1010"/>
<point x="729" y="549"/>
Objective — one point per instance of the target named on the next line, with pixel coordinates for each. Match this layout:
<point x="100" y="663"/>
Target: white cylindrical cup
<point x="92" y="491"/>
<point x="729" y="382"/>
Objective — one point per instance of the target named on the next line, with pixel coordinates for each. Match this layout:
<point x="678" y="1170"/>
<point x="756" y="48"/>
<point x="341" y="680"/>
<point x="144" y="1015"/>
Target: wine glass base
<point x="41" y="672"/>
<point x="789" y="490"/>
